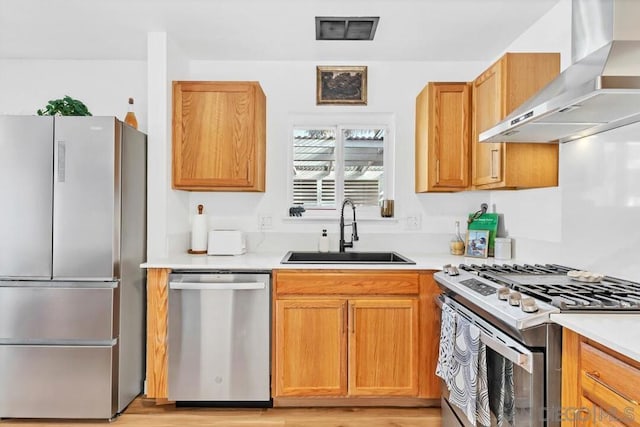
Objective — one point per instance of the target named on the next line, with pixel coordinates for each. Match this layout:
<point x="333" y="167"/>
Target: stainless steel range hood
<point x="599" y="92"/>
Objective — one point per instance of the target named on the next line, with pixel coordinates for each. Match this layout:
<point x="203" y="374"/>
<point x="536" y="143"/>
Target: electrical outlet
<point x="266" y="223"/>
<point x="413" y="222"/>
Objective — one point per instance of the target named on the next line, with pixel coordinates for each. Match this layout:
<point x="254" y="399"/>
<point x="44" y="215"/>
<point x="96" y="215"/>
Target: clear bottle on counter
<point x="130" y="118"/>
<point x="456" y="245"/>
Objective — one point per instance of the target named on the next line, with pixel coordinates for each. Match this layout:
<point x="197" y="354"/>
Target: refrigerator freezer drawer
<point x="32" y="314"/>
<point x="56" y="382"/>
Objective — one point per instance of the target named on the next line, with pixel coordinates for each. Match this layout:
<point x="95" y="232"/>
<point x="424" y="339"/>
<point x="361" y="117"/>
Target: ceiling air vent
<point x="346" y="28"/>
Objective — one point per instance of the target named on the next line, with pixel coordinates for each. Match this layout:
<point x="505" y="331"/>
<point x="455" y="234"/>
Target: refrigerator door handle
<point x="62" y="151"/>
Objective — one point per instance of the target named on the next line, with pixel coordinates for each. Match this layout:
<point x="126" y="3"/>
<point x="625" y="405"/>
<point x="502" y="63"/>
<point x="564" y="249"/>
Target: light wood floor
<point x="144" y="412"/>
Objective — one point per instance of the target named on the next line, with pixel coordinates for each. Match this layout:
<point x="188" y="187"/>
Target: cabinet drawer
<point x="333" y="282"/>
<point x="610" y="383"/>
<point x="591" y="415"/>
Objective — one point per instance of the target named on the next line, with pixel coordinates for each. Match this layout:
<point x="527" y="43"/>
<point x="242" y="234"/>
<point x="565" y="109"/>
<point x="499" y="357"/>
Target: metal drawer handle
<point x="595" y="376"/>
<point x="494" y="175"/>
<point x="576" y="412"/>
<point x="216" y="286"/>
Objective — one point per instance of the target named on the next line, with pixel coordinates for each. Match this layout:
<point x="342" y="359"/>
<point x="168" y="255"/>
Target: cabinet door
<point x="383" y="347"/>
<point x="218" y="136"/>
<point x="505" y="85"/>
<point x="311" y="347"/>
<point x="488" y="109"/>
<point x="442" y="137"/>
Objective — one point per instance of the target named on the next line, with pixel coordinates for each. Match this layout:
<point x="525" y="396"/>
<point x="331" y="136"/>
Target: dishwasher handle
<point x="220" y="286"/>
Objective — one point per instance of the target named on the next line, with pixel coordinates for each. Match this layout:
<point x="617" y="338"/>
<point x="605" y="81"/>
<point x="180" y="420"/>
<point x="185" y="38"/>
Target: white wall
<point x="104" y="86"/>
<point x="290" y="88"/>
<point x="591" y="219"/>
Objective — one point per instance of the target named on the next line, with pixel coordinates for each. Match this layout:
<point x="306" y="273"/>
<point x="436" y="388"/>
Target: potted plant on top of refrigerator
<point x="66" y="106"/>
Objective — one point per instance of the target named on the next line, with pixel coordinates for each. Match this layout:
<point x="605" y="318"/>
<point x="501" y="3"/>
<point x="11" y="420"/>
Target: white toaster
<point x="226" y="242"/>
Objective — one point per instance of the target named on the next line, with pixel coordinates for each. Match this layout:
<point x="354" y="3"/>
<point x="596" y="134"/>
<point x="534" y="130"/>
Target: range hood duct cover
<point x="598" y="92"/>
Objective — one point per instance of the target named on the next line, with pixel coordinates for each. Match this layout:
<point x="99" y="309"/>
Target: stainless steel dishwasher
<point x="219" y="337"/>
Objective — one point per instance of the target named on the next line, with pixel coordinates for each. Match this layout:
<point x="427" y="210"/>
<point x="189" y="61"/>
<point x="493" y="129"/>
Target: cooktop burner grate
<point x="550" y="283"/>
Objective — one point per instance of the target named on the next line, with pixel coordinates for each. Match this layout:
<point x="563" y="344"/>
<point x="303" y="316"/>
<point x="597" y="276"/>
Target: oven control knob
<point x="528" y="305"/>
<point x="514" y="298"/>
<point x="503" y="293"/>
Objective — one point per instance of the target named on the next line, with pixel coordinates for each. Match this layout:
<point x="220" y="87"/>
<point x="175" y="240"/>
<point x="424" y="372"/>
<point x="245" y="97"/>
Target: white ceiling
<point x="411" y="30"/>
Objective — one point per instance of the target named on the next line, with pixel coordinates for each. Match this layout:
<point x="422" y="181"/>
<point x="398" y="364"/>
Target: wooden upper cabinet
<point x="443" y="127"/>
<point x="219" y="136"/>
<point x="503" y="87"/>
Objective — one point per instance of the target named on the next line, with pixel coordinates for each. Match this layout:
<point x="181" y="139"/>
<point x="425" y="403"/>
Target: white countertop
<point x="270" y="261"/>
<point x="619" y="332"/>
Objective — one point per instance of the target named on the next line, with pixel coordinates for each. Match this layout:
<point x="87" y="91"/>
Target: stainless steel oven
<point x="511" y="305"/>
<point x="515" y="376"/>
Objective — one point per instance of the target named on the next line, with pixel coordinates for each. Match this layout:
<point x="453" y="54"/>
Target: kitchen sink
<point x="295" y="257"/>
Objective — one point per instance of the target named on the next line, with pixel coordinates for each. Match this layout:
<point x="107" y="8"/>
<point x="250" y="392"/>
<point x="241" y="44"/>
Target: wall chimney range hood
<point x="599" y="92"/>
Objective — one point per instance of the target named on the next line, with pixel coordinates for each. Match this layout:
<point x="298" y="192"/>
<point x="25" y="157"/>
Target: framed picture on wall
<point x="341" y="85"/>
<point x="477" y="244"/>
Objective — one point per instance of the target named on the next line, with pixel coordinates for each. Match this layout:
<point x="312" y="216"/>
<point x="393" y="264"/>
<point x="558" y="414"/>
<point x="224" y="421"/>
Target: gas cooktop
<point x="551" y="284"/>
<point x="523" y="296"/>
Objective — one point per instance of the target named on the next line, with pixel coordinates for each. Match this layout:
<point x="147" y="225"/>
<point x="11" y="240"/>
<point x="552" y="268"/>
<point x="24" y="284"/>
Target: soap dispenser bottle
<point x="323" y="243"/>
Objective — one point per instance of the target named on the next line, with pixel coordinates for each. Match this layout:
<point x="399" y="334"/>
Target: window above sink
<point x="333" y="157"/>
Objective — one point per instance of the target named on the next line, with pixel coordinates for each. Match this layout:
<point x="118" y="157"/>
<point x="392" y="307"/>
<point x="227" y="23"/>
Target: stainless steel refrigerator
<point x="72" y="237"/>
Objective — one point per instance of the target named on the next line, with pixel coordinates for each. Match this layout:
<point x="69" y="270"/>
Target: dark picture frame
<point x="341" y="85"/>
<point x="477" y="244"/>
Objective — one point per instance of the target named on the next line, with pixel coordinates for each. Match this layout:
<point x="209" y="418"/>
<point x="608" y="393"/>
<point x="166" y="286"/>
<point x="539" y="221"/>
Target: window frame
<point x="339" y="122"/>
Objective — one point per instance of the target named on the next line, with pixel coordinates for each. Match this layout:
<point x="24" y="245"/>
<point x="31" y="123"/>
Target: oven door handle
<point x="510" y="353"/>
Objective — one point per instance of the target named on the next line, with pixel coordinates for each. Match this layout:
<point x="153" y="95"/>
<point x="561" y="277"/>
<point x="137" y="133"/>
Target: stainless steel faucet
<point x="354" y="226"/>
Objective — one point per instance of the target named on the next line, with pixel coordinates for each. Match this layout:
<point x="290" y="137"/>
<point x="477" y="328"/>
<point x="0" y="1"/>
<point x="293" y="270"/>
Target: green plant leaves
<point x="66" y="106"/>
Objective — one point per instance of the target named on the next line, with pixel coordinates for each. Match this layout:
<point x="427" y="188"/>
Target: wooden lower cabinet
<point x="381" y="354"/>
<point x="599" y="386"/>
<point x="591" y="415"/>
<point x="361" y="344"/>
<point x="383" y="347"/>
<point x="312" y="335"/>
